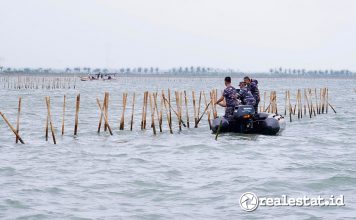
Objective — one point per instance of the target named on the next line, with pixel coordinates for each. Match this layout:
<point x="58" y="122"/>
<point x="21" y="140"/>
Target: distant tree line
<point x="183" y="70"/>
<point x="303" y="72"/>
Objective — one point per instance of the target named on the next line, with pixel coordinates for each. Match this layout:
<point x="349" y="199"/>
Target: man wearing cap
<point x="252" y="86"/>
<point x="245" y="95"/>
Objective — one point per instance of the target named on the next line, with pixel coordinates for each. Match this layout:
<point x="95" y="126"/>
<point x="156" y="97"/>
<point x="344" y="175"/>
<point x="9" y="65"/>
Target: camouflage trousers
<point x="229" y="111"/>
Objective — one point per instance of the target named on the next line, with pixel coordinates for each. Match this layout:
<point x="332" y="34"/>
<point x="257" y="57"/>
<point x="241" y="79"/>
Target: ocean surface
<point x="184" y="175"/>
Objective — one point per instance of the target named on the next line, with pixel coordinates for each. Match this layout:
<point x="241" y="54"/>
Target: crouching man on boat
<point x="245" y="95"/>
<point x="252" y="86"/>
<point x="230" y="97"/>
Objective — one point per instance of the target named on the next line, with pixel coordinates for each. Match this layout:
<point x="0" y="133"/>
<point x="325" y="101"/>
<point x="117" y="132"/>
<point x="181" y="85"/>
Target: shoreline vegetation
<point x="177" y="72"/>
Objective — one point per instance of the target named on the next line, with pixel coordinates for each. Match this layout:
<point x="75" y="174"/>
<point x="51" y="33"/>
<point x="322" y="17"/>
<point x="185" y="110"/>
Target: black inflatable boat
<point x="244" y="120"/>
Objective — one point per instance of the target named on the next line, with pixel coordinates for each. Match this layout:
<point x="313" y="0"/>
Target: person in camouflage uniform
<point x="253" y="88"/>
<point x="230" y="97"/>
<point x="245" y="95"/>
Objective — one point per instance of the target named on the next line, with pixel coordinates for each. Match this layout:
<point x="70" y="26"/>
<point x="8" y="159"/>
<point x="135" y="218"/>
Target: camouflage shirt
<point x="230" y="96"/>
<point x="246" y="97"/>
<point x="253" y="88"/>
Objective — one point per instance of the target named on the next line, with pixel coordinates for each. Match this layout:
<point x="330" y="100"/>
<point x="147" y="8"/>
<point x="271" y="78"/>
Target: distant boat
<point x="99" y="76"/>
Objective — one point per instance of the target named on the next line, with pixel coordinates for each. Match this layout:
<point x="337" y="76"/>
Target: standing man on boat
<point x="230" y="96"/>
<point x="253" y="88"/>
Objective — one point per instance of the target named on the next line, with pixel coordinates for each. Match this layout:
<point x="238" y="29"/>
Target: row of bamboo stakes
<point x="307" y="103"/>
<point x="160" y="105"/>
<point x="38" y="82"/>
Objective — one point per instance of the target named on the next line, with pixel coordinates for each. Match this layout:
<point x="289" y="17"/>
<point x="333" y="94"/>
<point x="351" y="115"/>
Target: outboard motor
<point x="243" y="114"/>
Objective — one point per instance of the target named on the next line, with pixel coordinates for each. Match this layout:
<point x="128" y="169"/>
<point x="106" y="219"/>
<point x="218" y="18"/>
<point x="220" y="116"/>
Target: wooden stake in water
<point x="145" y="114"/>
<point x="177" y="104"/>
<point x="156" y="110"/>
<point x="170" y="108"/>
<point x="63" y="114"/>
<point x="206" y="108"/>
<point x="50" y="119"/>
<point x="122" y="121"/>
<point x="18" y="120"/>
<point x="168" y="118"/>
<point x="76" y="114"/>
<point x="152" y="115"/>
<point x="186" y="107"/>
<point x="290" y="107"/>
<point x="194" y="107"/>
<point x="285" y="103"/>
<point x="133" y="110"/>
<point x="199" y="104"/>
<point x="327" y="100"/>
<point x="208" y="111"/>
<point x="46" y="125"/>
<point x="332" y="107"/>
<point x="176" y="113"/>
<point x="102" y="112"/>
<point x="218" y="131"/>
<point x="161" y="114"/>
<point x="143" y="109"/>
<point x="106" y="109"/>
<point x="12" y="128"/>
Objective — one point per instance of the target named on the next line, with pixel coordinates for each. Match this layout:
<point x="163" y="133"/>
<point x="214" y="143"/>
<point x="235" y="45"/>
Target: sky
<point x="253" y="35"/>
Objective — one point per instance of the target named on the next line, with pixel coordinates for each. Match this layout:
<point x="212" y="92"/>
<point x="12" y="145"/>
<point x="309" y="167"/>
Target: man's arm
<point x="219" y="100"/>
<point x="222" y="104"/>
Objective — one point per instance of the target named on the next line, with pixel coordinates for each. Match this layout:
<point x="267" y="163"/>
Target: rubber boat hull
<point x="260" y="123"/>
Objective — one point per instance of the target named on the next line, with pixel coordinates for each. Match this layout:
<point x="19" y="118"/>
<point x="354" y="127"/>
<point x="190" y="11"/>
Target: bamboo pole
<point x="102" y="114"/>
<point x="206" y="108"/>
<point x="321" y="110"/>
<point x="46" y="131"/>
<point x="122" y="121"/>
<point x="167" y="113"/>
<point x="194" y="107"/>
<point x="332" y="107"/>
<point x="145" y="113"/>
<point x="12" y="128"/>
<point x="285" y="103"/>
<point x="177" y="105"/>
<point x="18" y="120"/>
<point x="186" y="107"/>
<point x="133" y="110"/>
<point x="76" y="115"/>
<point x="199" y="104"/>
<point x="180" y="107"/>
<point x="170" y="111"/>
<point x="152" y="115"/>
<point x="156" y="110"/>
<point x="290" y="107"/>
<point x="63" y="114"/>
<point x="218" y="131"/>
<point x="307" y="100"/>
<point x="174" y="111"/>
<point x="161" y="114"/>
<point x="316" y="101"/>
<point x="213" y="106"/>
<point x="327" y="100"/>
<point x="143" y="110"/>
<point x="50" y="118"/>
<point x="106" y="111"/>
<point x="208" y="111"/>
<point x="102" y="111"/>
